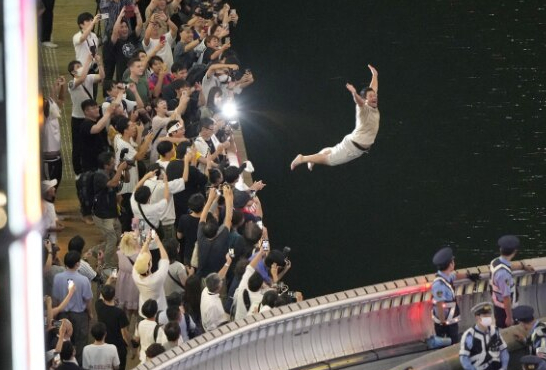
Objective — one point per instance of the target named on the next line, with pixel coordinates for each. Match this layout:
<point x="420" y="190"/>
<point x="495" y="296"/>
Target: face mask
<point x="486" y="321"/>
<point x="79" y="71"/>
<point x="223" y="78"/>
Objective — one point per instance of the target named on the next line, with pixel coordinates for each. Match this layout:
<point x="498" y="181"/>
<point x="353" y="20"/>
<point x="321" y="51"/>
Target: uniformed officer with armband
<point x="503" y="287"/>
<point x="482" y="346"/>
<point x="536" y="330"/>
<point x="531" y="362"/>
<point x="445" y="311"/>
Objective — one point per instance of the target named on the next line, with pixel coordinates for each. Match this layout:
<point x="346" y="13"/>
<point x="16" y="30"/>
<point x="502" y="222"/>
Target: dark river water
<point x="460" y="157"/>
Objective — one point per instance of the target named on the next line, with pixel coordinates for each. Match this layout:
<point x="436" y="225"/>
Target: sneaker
<point x="49" y="44"/>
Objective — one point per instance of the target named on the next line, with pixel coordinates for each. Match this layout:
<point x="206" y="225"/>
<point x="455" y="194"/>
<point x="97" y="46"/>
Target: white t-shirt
<point x="166" y="53"/>
<point x="78" y="94"/>
<point x="50" y="220"/>
<point x="203" y="149"/>
<point x="157" y="187"/>
<point x="130" y="106"/>
<point x="367" y="125"/>
<point x="255" y="297"/>
<point x="152" y="211"/>
<point x="52" y="130"/>
<point x="151" y="286"/>
<point x="212" y="311"/>
<point x="119" y="145"/>
<point x="82" y="48"/>
<point x="145" y="331"/>
<point x="100" y="357"/>
<point x="159" y="124"/>
<point x="210" y="81"/>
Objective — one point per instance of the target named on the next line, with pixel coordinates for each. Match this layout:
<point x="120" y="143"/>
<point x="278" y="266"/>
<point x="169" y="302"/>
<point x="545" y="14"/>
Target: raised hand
<point x="373" y="70"/>
<point x="351" y="88"/>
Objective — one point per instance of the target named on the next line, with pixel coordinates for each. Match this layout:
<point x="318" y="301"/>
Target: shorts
<point x="344" y="152"/>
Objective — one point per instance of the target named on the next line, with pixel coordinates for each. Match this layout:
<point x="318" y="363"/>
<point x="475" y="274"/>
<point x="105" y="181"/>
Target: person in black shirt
<point x="187" y="227"/>
<point x="106" y="183"/>
<point x="93" y="132"/>
<point x="117" y="324"/>
<point x="122" y="45"/>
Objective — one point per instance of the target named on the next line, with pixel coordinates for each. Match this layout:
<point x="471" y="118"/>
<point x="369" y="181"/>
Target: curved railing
<point x="340" y="324"/>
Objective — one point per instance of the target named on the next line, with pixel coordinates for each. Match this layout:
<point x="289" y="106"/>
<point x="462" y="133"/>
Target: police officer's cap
<point x="508" y="243"/>
<point x="523" y="313"/>
<point x="443" y="257"/>
<point x="530" y="362"/>
<point x="483" y="308"/>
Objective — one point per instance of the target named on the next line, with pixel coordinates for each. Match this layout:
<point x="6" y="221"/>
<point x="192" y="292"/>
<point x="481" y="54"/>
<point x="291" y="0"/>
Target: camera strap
<point x="146" y="218"/>
<point x="156" y="136"/>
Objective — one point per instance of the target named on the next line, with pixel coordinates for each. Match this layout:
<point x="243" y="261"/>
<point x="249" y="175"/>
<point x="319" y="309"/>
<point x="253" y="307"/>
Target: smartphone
<point x="232" y="11"/>
<point x="57" y="358"/>
<point x="104" y="16"/>
<point x="153" y="234"/>
<point x="231" y="252"/>
<point x="70" y="282"/>
<point x="265" y="245"/>
<point x="115" y="273"/>
<point x="260" y="224"/>
<point x="161" y="38"/>
<point x="228" y="40"/>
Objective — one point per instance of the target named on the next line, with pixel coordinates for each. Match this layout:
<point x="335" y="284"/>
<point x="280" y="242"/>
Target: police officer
<point x="503" y="286"/>
<point x="445" y="311"/>
<point x="530" y="362"/>
<point x="482" y="346"/>
<point x="536" y="338"/>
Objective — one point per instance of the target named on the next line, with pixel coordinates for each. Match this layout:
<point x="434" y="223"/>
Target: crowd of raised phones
<point x="185" y="249"/>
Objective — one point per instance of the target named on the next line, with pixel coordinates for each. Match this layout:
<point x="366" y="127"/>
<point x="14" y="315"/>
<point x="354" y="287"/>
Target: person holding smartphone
<point x="153" y="37"/>
<point x="78" y="310"/>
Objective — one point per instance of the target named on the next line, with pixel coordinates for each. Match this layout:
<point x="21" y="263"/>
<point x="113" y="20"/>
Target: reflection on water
<point x="461" y="153"/>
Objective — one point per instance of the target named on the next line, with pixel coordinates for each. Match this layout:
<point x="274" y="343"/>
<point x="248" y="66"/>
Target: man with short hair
<point x="445" y="310"/>
<point x="78" y="310"/>
<point x="106" y="184"/>
<point x="482" y="346"/>
<point x="115" y="319"/>
<point x="86" y="43"/>
<point x="172" y="333"/>
<point x="249" y="293"/>
<point x="77" y="243"/>
<point x="212" y="239"/>
<point x="99" y="355"/>
<point x="535" y="330"/>
<point x="179" y="71"/>
<point x="68" y="359"/>
<point x="207" y="145"/>
<point x="148" y="331"/>
<point x="137" y="77"/>
<point x="357" y="142"/>
<point x="184" y="52"/>
<point x="153" y="36"/>
<point x="212" y="311"/>
<point x="503" y="287"/>
<point x="80" y="90"/>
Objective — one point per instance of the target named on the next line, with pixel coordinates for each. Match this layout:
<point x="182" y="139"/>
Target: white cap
<point x="48" y="184"/>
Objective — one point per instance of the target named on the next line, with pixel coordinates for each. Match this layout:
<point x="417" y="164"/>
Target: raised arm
<point x="138" y="28"/>
<point x="59" y="91"/>
<point x="86" y="31"/>
<point x="147" y="176"/>
<point x="212" y="196"/>
<point x="115" y="30"/>
<point x="85" y="70"/>
<point x="357" y="98"/>
<point x="214" y="67"/>
<point x="228" y="196"/>
<point x="97" y="127"/>
<point x="166" y="192"/>
<point x="132" y="88"/>
<point x="114" y="181"/>
<point x="373" y="84"/>
<point x="223" y="271"/>
<point x="144" y="146"/>
<point x="162" y="252"/>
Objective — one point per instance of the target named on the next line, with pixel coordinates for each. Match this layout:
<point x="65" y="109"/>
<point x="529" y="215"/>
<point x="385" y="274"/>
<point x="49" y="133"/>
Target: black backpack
<point x="85" y="189"/>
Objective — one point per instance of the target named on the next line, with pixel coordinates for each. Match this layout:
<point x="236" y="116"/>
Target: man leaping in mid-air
<point x="357" y="142"/>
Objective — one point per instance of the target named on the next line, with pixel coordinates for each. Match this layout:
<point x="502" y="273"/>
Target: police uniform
<point x="502" y="282"/>
<point x="444" y="291"/>
<point x="530" y="362"/>
<point x="483" y="349"/>
<point x="537" y="336"/>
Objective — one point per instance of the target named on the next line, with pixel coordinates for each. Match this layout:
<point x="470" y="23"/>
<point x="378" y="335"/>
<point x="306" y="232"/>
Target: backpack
<point x="85" y="189"/>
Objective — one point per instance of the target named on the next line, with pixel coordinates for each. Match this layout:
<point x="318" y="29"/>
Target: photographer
<point x="126" y="151"/>
<point x="106" y="183"/>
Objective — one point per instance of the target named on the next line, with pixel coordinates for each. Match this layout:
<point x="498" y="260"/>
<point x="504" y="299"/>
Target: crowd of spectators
<point x="185" y="249"/>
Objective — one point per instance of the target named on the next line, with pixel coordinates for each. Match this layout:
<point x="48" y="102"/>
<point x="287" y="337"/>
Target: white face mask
<point x="486" y="321"/>
<point x="79" y="71"/>
<point x="223" y="78"/>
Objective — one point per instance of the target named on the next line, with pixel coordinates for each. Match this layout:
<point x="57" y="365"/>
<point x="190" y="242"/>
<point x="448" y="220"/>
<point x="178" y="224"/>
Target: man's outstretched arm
<point x="357" y="98"/>
<point x="373" y="84"/>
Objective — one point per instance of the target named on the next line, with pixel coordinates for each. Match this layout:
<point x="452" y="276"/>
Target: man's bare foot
<point x="310" y="166"/>
<point x="296" y="162"/>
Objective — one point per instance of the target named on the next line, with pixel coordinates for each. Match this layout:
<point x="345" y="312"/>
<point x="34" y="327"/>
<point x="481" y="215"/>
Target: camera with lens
<point x="284" y="292"/>
<point x="130" y="162"/>
<point x="286" y="252"/>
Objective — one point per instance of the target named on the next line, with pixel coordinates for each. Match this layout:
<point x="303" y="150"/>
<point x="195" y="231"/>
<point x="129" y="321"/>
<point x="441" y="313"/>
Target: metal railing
<point x="340" y="324"/>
